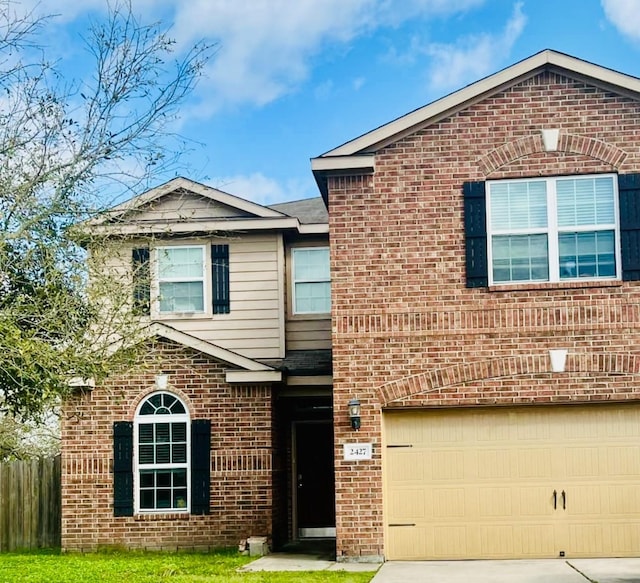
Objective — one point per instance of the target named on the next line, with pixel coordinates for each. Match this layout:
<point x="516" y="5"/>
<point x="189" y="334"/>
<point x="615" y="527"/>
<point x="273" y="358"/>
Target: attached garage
<point x="528" y="482"/>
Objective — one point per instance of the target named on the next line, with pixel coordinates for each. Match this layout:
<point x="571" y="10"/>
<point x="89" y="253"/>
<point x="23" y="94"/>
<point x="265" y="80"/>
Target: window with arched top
<point x="161" y="454"/>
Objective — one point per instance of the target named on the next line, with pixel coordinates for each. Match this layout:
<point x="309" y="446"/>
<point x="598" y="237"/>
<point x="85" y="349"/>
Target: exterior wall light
<point x="354" y="414"/>
<point x="558" y="360"/>
<point x="161" y="381"/>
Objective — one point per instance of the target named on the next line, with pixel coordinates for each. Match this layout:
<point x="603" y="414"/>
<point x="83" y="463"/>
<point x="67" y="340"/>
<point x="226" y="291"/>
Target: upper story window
<point x="311" y="280"/>
<point x="181" y="277"/>
<point x="553" y="229"/>
<point x="161" y="445"/>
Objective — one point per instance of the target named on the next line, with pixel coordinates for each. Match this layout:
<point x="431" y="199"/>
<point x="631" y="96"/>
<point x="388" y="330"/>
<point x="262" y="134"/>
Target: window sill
<point x="144" y="517"/>
<point x="575" y="284"/>
<point x="185" y="316"/>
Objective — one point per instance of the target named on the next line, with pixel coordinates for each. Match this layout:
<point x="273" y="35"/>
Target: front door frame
<point x="330" y="532"/>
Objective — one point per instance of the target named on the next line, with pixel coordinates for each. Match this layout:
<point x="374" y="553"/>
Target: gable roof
<point x="253" y="370"/>
<point x="358" y="154"/>
<point x="121" y="219"/>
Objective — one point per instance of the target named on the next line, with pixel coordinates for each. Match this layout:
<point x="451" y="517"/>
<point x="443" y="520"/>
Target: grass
<point x="151" y="567"/>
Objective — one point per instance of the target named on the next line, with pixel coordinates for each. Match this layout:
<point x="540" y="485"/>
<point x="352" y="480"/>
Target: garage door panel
<point x="485" y="482"/>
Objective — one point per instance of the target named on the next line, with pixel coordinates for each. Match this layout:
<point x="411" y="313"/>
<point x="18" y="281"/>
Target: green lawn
<point x="133" y="567"/>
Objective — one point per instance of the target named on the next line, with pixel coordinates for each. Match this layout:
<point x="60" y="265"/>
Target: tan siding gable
<point x="186" y="206"/>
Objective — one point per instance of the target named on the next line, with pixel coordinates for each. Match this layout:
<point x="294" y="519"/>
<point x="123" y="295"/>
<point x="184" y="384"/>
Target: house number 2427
<point x="358" y="451"/>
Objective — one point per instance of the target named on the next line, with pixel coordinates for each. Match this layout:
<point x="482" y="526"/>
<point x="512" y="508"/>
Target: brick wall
<point x="241" y="457"/>
<point x="407" y="332"/>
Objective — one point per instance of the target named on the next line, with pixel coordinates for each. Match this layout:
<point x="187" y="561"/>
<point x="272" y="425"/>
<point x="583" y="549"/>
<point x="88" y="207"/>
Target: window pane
<point x="520" y="258"/>
<point x="587" y="254"/>
<point x="162" y="432"/>
<point x="180" y="262"/>
<point x="180" y="498"/>
<point x="163" y="454"/>
<point x="585" y="201"/>
<point x="145" y="433"/>
<point x="182" y="296"/>
<point x="178" y="432"/>
<point x="146" y="454"/>
<point x="518" y="205"/>
<point x="163" y="498"/>
<point x="147" y="479"/>
<point x="163" y="479"/>
<point x="311" y="264"/>
<point x="147" y="499"/>
<point x="179" y="478"/>
<point x="313" y="298"/>
<point x="179" y="453"/>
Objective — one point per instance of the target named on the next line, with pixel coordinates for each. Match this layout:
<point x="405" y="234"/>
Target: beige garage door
<point x="509" y="483"/>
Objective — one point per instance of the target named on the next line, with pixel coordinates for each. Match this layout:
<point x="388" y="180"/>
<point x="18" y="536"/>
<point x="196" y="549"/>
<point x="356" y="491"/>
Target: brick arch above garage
<point x="588" y="377"/>
<point x="567" y="144"/>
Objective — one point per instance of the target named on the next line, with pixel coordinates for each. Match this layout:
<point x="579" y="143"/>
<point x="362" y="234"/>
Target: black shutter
<point x="629" y="194"/>
<point x="200" y="465"/>
<point x="220" y="278"/>
<point x="123" y="468"/>
<point x="475" y="229"/>
<point x="141" y="281"/>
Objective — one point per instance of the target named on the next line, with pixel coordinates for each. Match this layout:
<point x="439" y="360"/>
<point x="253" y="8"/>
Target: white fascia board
<point x="314" y="229"/>
<point x="327" y="163"/>
<point x="192" y="186"/>
<point x="385" y="134"/>
<point x="217" y="352"/>
<point x="169" y="227"/>
<point x="253" y="376"/>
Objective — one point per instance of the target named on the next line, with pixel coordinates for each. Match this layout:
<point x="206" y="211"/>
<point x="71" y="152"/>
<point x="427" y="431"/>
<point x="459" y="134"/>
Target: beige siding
<point x="308" y="334"/>
<point x="253" y="327"/>
<point x="185" y="206"/>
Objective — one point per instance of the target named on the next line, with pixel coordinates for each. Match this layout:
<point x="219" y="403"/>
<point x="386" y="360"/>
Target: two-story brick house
<point x="484" y="253"/>
<point x="469" y="239"/>
<point x="223" y="429"/>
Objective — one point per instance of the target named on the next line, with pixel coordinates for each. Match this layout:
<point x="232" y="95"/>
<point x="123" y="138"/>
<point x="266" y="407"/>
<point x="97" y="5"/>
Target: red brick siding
<point x="241" y="457"/>
<point x="406" y="329"/>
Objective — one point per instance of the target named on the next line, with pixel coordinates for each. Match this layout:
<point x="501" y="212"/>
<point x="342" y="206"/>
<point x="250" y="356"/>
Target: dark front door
<point x="315" y="483"/>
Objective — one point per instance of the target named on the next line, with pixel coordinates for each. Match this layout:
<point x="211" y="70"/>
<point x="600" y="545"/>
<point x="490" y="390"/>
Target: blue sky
<point x="292" y="79"/>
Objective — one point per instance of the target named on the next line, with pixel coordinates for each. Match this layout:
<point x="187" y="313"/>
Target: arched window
<point x="162" y="442"/>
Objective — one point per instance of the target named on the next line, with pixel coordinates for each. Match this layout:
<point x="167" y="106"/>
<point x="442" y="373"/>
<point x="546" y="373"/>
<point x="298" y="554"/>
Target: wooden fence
<point x="30" y="501"/>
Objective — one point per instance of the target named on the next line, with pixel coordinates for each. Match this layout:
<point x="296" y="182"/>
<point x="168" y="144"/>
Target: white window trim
<point x="144" y="419"/>
<point x="552" y="230"/>
<point x="295" y="281"/>
<point x="206" y="281"/>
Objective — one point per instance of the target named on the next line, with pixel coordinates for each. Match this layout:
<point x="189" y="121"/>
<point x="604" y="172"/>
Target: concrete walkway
<point x="298" y="562"/>
<point x="520" y="571"/>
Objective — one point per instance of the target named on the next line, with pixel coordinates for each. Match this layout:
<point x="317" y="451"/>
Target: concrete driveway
<point x="521" y="571"/>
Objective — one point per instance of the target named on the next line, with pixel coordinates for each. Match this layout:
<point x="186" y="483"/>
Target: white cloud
<point x="474" y="56"/>
<point x="624" y="15"/>
<point x="265" y="46"/>
<point x="264" y="190"/>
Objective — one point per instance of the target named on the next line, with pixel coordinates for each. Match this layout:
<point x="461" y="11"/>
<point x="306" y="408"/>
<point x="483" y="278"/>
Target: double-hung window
<point x="161" y="441"/>
<point x="553" y="229"/>
<point x="311" y="280"/>
<point x="181" y="278"/>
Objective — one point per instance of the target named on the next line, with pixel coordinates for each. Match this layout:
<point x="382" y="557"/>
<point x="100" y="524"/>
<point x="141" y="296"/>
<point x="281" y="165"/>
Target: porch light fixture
<point x="161" y="381"/>
<point x="558" y="359"/>
<point x="354" y="414"/>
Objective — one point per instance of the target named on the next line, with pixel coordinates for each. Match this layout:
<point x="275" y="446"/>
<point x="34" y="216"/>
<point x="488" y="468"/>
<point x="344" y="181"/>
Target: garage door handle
<point x="564" y="500"/>
<point x="555" y="499"/>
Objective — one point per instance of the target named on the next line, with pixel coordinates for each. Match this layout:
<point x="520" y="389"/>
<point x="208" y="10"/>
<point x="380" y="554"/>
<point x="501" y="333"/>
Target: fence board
<point x="30" y="504"/>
